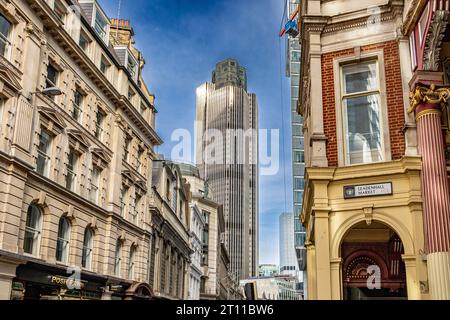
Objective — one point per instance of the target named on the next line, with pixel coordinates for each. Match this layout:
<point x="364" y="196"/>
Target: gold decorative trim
<point x="423" y="94"/>
<point x="423" y="113"/>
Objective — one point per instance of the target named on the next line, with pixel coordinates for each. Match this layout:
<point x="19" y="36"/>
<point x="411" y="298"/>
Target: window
<point x="299" y="169"/>
<point x="60" y="10"/>
<point x="62" y="245"/>
<point x="32" y="230"/>
<point x="104" y="65"/>
<point x="101" y="25"/>
<point x="298" y="143"/>
<point x="131" y="262"/>
<point x="297" y="130"/>
<point x="139" y="159"/>
<point x="52" y="76"/>
<point x="71" y="170"/>
<point x="299" y="184"/>
<point x="181" y="210"/>
<point x="95" y="180"/>
<point x="361" y="113"/>
<point x="131" y="94"/>
<point x="84" y="41"/>
<point x="174" y="197"/>
<point x="296" y="118"/>
<point x="298" y="196"/>
<point x="205" y="240"/>
<point x="86" y="261"/>
<point x="131" y="65"/>
<point x="299" y="156"/>
<point x="99" y="119"/>
<point x="127" y="148"/>
<point x="77" y="105"/>
<point x="44" y="150"/>
<point x="123" y="200"/>
<point x="168" y="189"/>
<point x="118" y="258"/>
<point x="137" y="209"/>
<point x="5" y="31"/>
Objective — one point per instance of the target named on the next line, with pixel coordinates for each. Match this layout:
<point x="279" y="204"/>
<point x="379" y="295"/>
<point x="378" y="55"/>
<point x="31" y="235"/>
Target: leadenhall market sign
<point x="368" y="190"/>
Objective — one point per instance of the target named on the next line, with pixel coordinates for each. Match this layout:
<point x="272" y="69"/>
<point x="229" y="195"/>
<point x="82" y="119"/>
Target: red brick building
<point x="376" y="203"/>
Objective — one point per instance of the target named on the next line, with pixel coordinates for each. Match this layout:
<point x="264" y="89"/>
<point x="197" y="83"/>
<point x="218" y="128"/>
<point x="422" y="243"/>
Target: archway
<point x="372" y="266"/>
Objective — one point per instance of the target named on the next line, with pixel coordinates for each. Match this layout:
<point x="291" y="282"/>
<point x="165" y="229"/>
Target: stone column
<point x="336" y="276"/>
<point x="426" y="102"/>
<point x="311" y="271"/>
<point x="7" y="274"/>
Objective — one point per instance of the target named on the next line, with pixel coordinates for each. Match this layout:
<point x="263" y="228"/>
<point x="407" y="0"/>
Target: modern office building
<point x="298" y="145"/>
<point x="288" y="259"/>
<point x="268" y="270"/>
<point x="280" y="287"/>
<point x="374" y="97"/>
<point x="227" y="154"/>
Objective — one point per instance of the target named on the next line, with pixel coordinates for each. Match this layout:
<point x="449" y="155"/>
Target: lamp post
<point x="49" y="92"/>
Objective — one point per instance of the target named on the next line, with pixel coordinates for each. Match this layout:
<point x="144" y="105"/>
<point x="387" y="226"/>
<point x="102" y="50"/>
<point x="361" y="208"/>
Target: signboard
<point x="368" y="190"/>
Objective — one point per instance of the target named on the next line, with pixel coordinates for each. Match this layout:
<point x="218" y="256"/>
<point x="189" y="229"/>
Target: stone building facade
<point x="376" y="202"/>
<point x="216" y="282"/>
<point x="171" y="252"/>
<point x="76" y="149"/>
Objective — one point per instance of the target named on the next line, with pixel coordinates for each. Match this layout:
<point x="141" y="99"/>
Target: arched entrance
<point x="372" y="266"/>
<point x="139" y="291"/>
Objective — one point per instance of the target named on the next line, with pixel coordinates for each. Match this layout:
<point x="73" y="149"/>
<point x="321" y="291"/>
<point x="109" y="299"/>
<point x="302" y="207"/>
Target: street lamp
<point x="49" y="92"/>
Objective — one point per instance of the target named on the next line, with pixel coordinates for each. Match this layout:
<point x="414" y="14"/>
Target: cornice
<point x="413" y="15"/>
<point x="356" y="20"/>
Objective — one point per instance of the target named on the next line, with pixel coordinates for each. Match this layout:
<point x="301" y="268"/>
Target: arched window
<point x="32" y="230"/>
<point x="174" y="194"/>
<point x="118" y="258"/>
<point x="131" y="262"/>
<point x="168" y="189"/>
<point x="62" y="245"/>
<point x="88" y="244"/>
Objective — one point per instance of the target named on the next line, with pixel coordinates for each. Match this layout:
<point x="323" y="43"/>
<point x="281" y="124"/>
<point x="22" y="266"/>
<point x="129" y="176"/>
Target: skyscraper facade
<point x="226" y="151"/>
<point x="298" y="144"/>
<point x="288" y="260"/>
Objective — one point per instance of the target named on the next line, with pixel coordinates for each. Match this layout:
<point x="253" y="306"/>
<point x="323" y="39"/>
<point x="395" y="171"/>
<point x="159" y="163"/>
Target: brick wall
<point x="394" y="95"/>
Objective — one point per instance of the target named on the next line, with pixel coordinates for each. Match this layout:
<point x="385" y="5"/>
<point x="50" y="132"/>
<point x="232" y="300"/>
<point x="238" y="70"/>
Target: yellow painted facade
<point x="329" y="217"/>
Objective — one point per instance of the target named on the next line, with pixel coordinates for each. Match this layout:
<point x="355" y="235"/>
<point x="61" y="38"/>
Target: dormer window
<point x="60" y="10"/>
<point x="131" y="66"/>
<point x="128" y="61"/>
<point x="101" y="24"/>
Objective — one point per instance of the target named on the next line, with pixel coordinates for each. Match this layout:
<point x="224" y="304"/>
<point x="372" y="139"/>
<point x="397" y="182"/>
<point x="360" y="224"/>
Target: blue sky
<point x="182" y="40"/>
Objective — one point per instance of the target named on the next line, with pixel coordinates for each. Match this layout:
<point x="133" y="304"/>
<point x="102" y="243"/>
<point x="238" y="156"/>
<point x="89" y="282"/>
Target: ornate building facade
<point x="171" y="251"/>
<point x="376" y="203"/>
<point x="76" y="149"/>
<point x="216" y="281"/>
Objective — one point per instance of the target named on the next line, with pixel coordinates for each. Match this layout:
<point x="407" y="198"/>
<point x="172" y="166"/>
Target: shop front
<point x="36" y="281"/>
<point x="365" y="232"/>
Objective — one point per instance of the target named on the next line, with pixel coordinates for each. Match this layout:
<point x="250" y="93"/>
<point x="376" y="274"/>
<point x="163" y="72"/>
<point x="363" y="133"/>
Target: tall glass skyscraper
<point x="228" y="160"/>
<point x="298" y="144"/>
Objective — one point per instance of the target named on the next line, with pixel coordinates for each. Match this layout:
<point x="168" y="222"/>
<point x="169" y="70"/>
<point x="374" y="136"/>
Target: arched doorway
<point x="139" y="291"/>
<point x="372" y="265"/>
